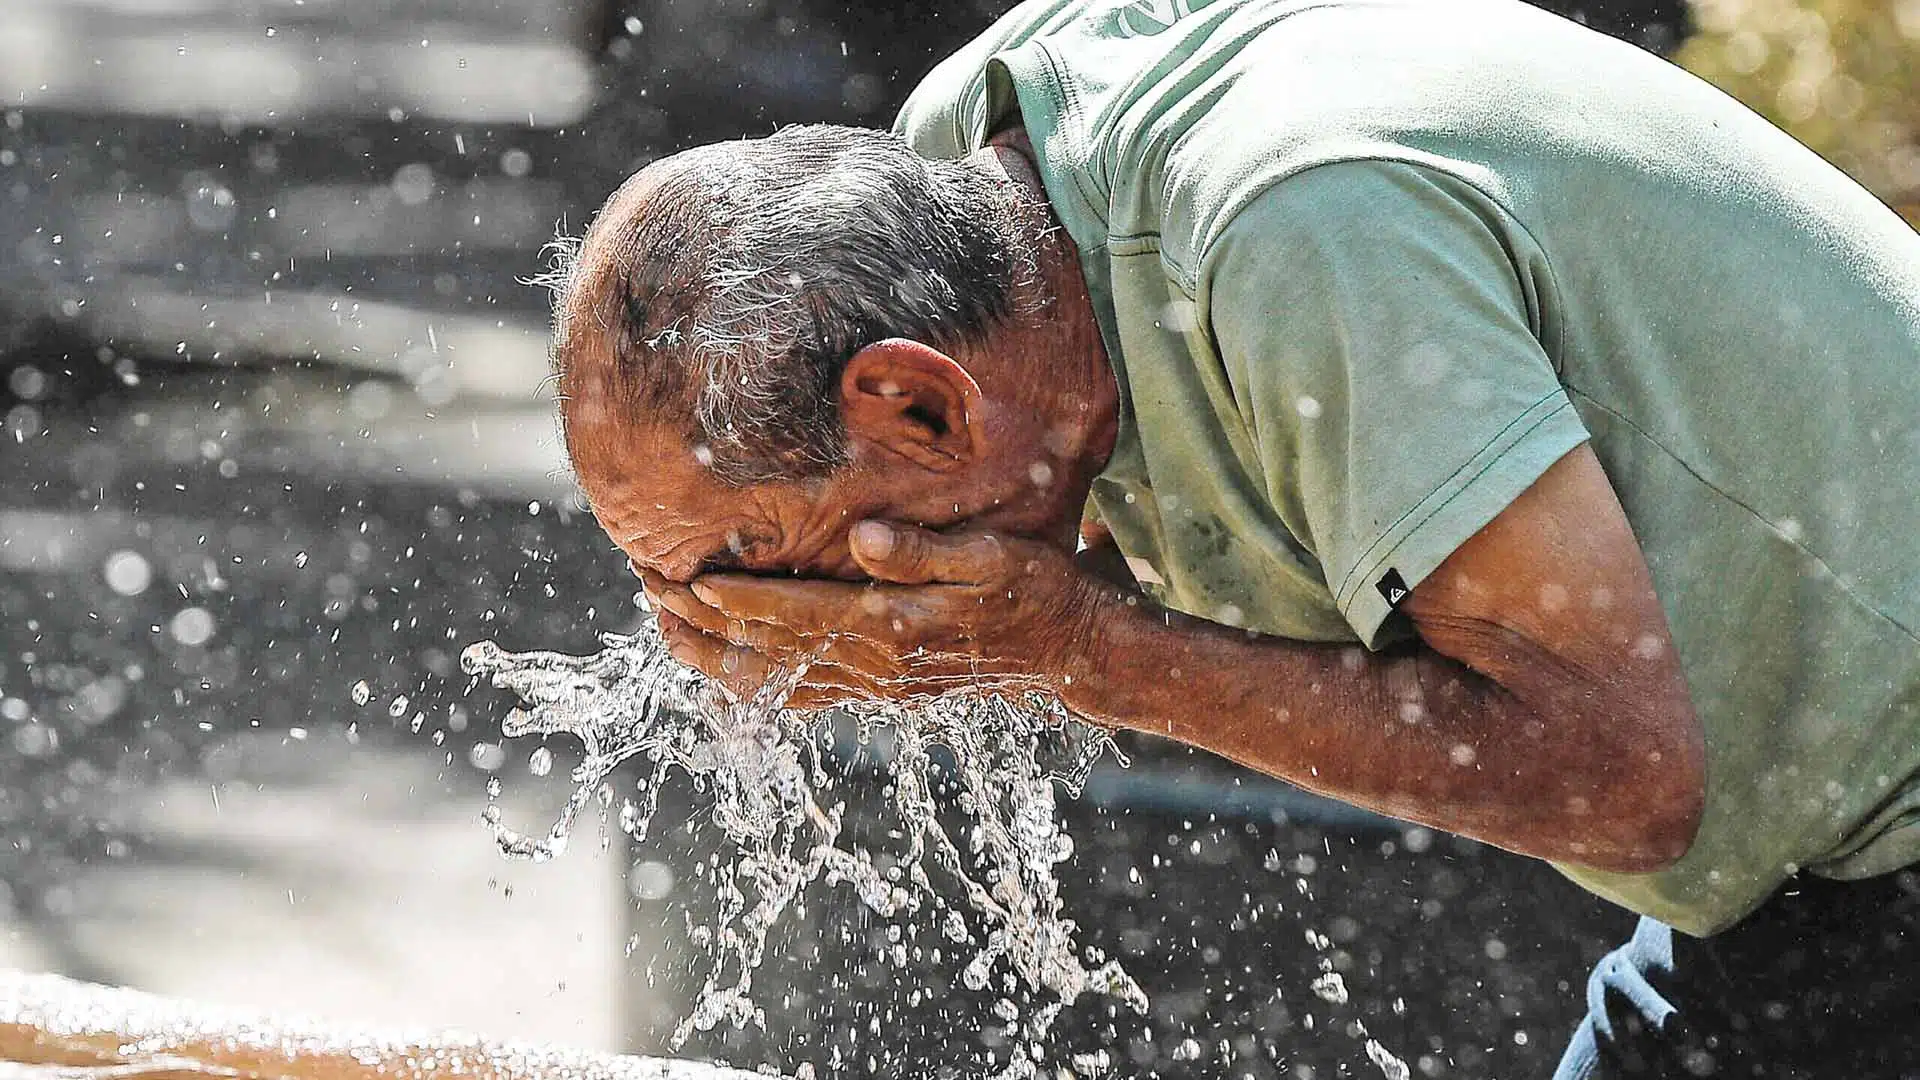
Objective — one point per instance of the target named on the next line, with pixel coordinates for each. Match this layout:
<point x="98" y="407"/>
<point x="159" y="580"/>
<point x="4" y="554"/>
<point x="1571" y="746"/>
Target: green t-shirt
<point x="1366" y="268"/>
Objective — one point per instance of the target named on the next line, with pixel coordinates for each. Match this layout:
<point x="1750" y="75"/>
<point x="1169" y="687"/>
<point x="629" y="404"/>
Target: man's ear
<point x="913" y="400"/>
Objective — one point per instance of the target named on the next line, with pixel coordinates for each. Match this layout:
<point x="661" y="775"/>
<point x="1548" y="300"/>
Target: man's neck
<point x="1094" y="428"/>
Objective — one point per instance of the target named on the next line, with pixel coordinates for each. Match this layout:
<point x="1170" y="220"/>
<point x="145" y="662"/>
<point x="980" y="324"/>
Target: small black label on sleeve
<point x="1392" y="587"/>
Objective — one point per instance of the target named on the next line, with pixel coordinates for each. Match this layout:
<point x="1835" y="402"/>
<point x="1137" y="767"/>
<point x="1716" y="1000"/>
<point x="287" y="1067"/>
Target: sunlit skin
<point x="1543" y="709"/>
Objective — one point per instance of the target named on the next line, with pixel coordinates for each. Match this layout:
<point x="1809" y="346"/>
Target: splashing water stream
<point x="762" y="765"/>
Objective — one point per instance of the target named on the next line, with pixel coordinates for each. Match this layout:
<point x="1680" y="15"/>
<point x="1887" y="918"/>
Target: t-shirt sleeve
<point x="1379" y="323"/>
<point x="933" y="121"/>
<point x="944" y="117"/>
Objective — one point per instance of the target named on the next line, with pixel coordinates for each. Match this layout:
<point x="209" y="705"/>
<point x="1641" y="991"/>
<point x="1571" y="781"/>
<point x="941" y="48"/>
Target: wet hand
<point x="942" y="611"/>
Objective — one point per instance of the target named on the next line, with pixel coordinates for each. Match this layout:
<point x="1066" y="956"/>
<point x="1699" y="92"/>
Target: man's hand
<point x="943" y="611"/>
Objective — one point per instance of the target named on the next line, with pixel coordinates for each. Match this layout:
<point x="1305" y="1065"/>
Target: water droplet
<point x="128" y="573"/>
<point x="540" y="762"/>
<point x="35" y="740"/>
<point x="191" y="626"/>
<point x="362" y="693"/>
<point x="27" y="382"/>
<point x="1330" y="987"/>
<point x="650" y="880"/>
<point x="414" y="184"/>
<point x="1390" y="1066"/>
<point x="1093" y="1064"/>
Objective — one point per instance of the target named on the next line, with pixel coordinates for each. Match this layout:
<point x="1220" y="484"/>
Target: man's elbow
<point x="1656" y="801"/>
<point x="1662" y="833"/>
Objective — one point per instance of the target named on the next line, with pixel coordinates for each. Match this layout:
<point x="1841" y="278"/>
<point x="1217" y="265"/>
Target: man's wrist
<point x="1086" y="675"/>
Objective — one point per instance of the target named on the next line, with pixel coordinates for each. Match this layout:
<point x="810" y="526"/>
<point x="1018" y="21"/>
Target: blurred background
<point x="272" y="426"/>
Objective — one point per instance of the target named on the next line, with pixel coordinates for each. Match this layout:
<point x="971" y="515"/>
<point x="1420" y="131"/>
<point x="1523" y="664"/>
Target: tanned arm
<point x="1543" y="709"/>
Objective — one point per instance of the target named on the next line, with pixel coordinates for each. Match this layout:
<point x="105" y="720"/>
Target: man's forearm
<point x="1409" y="733"/>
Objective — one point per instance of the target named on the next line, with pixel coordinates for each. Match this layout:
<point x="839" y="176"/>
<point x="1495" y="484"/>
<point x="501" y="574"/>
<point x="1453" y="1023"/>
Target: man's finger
<point x="777" y="643"/>
<point x="904" y="555"/>
<point x="811" y="699"/>
<point x="741" y="670"/>
<point x="688" y="645"/>
<point x="807" y="608"/>
<point x="895" y="618"/>
<point x="840" y="673"/>
<point x="825" y="687"/>
<point x="680" y="600"/>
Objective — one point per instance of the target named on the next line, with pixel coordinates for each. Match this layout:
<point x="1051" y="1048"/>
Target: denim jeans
<point x="1822" y="981"/>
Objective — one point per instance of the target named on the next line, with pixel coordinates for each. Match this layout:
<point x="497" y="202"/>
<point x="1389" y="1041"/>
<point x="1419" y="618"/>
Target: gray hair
<point x="737" y="279"/>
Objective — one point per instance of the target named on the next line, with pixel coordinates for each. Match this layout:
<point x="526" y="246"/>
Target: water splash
<point x="761" y="764"/>
<point x="1390" y="1066"/>
<point x="1331" y="987"/>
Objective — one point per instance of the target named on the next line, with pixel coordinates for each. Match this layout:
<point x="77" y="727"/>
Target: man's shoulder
<point x="1484" y="92"/>
<point x="945" y="115"/>
<point x="1158" y="121"/>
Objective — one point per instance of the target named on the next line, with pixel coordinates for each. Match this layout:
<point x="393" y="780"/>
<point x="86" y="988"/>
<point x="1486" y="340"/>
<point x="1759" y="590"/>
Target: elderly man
<point x="1503" y="430"/>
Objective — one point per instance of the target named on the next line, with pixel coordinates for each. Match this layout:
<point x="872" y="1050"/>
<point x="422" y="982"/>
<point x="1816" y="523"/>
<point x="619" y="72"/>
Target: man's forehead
<point x="661" y="506"/>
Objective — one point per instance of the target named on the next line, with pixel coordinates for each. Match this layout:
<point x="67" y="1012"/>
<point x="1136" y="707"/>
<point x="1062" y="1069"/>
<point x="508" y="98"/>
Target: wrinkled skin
<point x="941" y="612"/>
<point x="942" y="555"/>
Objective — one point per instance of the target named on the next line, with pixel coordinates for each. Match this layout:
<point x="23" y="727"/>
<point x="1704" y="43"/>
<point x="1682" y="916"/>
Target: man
<point x="1512" y="433"/>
